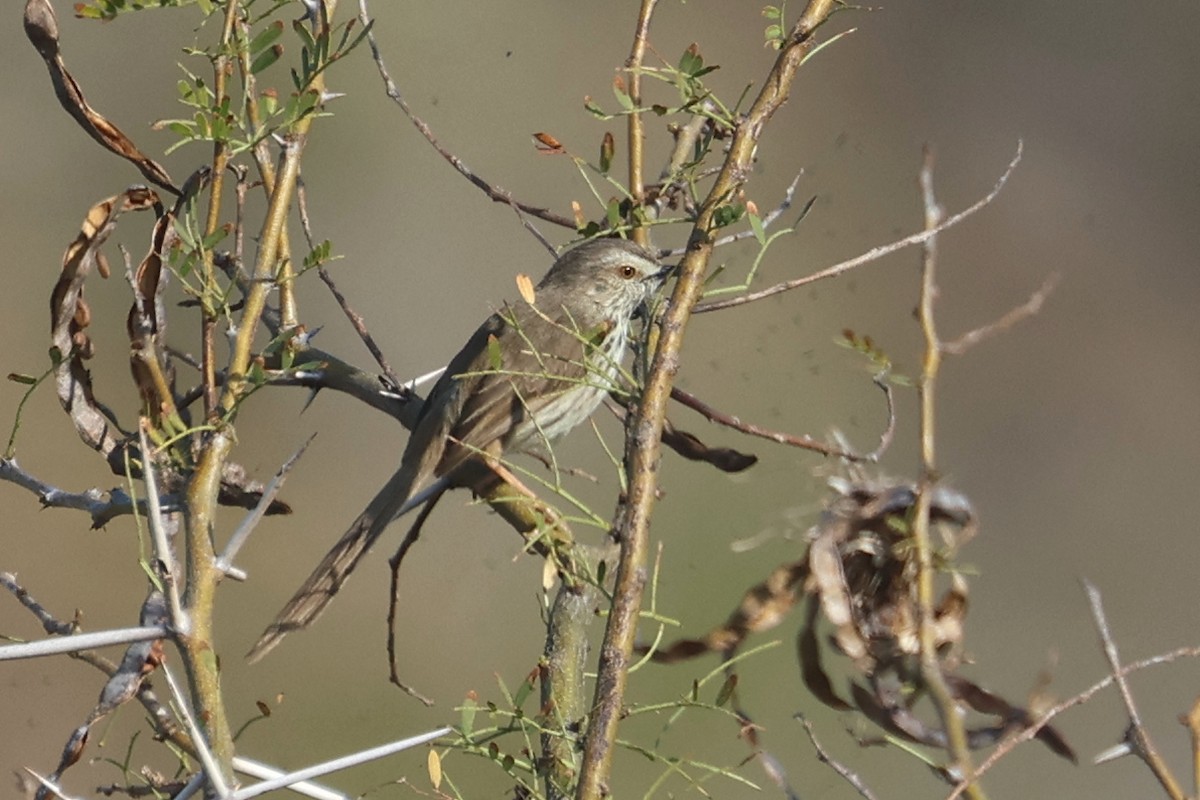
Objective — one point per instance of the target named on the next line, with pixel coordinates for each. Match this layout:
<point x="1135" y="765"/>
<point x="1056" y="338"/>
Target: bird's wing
<point x="498" y="385"/>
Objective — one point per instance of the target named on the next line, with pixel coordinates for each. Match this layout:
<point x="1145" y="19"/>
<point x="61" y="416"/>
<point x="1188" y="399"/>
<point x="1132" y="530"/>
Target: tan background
<point x="1076" y="435"/>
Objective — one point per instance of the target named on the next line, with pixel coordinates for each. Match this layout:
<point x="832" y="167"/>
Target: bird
<point x="532" y="372"/>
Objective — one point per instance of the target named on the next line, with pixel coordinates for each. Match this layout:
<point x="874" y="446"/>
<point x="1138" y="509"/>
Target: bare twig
<point x="1192" y="721"/>
<point x="779" y="437"/>
<point x="874" y="254"/>
<point x="251" y="520"/>
<point x="1008" y="745"/>
<point x="636" y="127"/>
<point x="92" y="501"/>
<point x="496" y="193"/>
<point x="410" y="538"/>
<point x="81" y="641"/>
<point x="1136" y="735"/>
<point x="841" y="769"/>
<point x="163" y="551"/>
<point x="932" y="676"/>
<point x="345" y="762"/>
<point x="212" y="772"/>
<point x="355" y="319"/>
<point x="1028" y="309"/>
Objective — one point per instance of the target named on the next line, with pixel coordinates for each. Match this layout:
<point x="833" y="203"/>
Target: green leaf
<point x="18" y="377"/>
<point x="728" y="214"/>
<point x="623" y="98"/>
<point x="590" y="106"/>
<point x="522" y="694"/>
<point x="468" y="718"/>
<point x="771" y="12"/>
<point x="691" y="61"/>
<point x="265" y="59"/>
<point x="756" y="225"/>
<point x="613" y="213"/>
<point x="266" y="37"/>
<point x="494" y="356"/>
<point x="607" y="148"/>
<point x="726" y="690"/>
<point x="319" y="254"/>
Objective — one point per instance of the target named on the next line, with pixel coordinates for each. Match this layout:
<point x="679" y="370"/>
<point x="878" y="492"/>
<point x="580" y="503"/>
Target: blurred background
<point x="1076" y="434"/>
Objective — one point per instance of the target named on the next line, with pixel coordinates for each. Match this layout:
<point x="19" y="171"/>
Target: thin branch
<point x="1008" y="745"/>
<point x="496" y="193"/>
<point x="257" y="769"/>
<point x="91" y="500"/>
<point x="1192" y="721"/>
<point x="779" y="437"/>
<point x="355" y="319"/>
<point x="410" y="538"/>
<point x="1136" y="734"/>
<point x="932" y="676"/>
<point x="841" y="769"/>
<point x="1028" y="309"/>
<point x="212" y="772"/>
<point x="163" y="551"/>
<point x="251" y="520"/>
<point x="636" y="125"/>
<point x="345" y="762"/>
<point x="874" y="254"/>
<point x="82" y="641"/>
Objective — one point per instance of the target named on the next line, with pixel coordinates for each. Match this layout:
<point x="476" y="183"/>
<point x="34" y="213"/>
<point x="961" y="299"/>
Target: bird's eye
<point x="627" y="271"/>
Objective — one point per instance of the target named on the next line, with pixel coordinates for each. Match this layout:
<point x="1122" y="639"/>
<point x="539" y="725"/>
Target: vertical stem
<point x="564" y="696"/>
<point x="642" y="457"/>
<point x="931" y="668"/>
<point x="633" y="67"/>
<point x="220" y="160"/>
<point x="199" y="651"/>
<point x="264" y="269"/>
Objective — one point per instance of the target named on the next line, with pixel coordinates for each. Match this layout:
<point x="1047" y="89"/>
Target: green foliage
<point x="878" y="360"/>
<point x="109" y="9"/>
<point x="775" y="32"/>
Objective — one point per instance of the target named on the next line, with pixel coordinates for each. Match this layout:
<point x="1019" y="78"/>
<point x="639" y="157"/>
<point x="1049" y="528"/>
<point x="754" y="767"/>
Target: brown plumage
<point x="525" y="378"/>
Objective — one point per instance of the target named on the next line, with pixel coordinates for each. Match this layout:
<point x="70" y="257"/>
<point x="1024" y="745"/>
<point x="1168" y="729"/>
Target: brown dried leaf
<point x="70" y="316"/>
<point x="811" y="670"/>
<point x="690" y="447"/>
<point x="547" y="144"/>
<point x="679" y="650"/>
<point x="1012" y="718"/>
<point x="762" y="607"/>
<point x="41" y="27"/>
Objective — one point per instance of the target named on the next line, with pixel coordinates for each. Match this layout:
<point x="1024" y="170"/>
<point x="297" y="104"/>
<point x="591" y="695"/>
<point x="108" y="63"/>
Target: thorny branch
<point x="1137" y="737"/>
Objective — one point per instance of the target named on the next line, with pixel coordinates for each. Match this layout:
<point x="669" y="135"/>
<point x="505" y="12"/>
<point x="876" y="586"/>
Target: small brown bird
<point x="531" y="373"/>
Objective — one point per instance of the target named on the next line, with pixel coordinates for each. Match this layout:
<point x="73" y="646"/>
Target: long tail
<point x="316" y="593"/>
